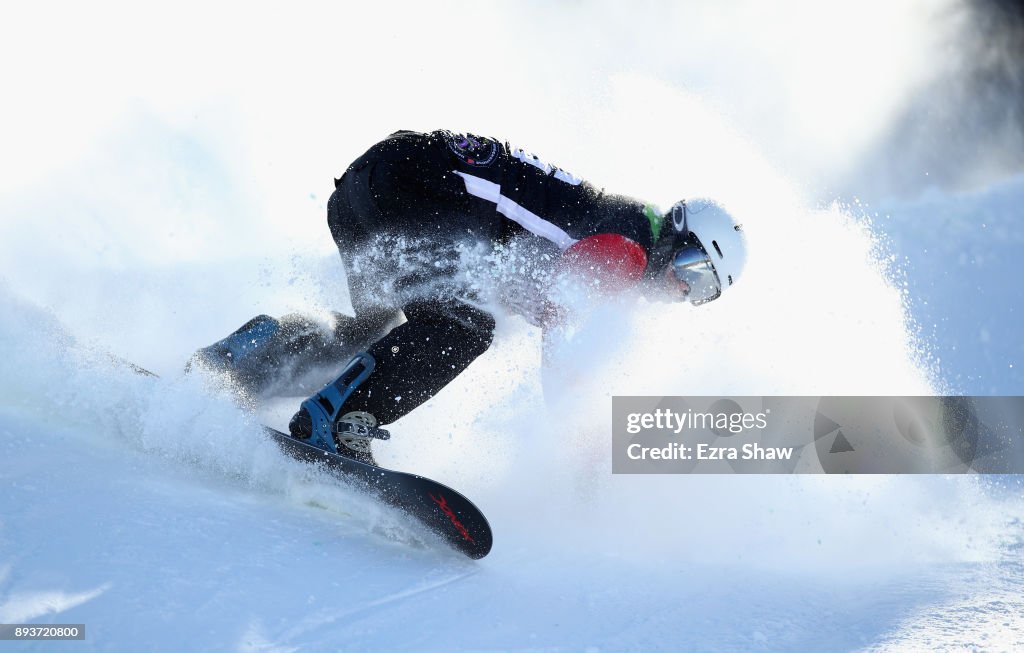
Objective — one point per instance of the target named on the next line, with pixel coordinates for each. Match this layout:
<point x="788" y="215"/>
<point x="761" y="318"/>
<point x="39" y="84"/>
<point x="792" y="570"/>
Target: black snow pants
<point x="442" y="333"/>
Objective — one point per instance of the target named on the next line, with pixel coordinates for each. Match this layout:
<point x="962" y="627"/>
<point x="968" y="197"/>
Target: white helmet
<point x="705" y="246"/>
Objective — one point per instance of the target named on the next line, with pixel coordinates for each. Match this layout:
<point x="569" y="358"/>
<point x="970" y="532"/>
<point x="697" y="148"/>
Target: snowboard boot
<point x="243" y="354"/>
<point x="287" y="357"/>
<point x="321" y="423"/>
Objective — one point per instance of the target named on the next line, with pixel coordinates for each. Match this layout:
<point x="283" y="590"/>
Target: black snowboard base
<point x="440" y="508"/>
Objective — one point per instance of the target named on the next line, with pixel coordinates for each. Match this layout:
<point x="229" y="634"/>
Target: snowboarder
<point x="403" y="215"/>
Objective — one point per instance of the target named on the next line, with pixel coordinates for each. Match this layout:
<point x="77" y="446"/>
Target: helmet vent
<point x="718" y="249"/>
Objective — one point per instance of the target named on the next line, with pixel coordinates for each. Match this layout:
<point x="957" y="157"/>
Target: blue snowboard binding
<point x="321" y="423"/>
<point x="239" y="348"/>
<point x="246" y="356"/>
<point x="287" y="357"/>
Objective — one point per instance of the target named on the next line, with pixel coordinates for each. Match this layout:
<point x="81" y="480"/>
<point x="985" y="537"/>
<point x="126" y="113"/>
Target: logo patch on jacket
<point x="471" y="149"/>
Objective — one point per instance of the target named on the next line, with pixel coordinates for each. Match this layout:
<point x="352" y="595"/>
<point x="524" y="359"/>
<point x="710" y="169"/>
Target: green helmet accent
<point x="656" y="220"/>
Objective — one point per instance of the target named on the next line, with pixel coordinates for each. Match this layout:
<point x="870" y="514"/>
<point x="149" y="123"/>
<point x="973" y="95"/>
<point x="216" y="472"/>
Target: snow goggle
<point x="692" y="265"/>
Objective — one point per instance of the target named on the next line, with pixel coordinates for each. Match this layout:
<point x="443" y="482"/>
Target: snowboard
<point x="441" y="509"/>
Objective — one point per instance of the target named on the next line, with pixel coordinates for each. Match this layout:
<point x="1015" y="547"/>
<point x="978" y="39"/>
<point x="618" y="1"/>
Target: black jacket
<point x="462" y="182"/>
<point x="445" y="187"/>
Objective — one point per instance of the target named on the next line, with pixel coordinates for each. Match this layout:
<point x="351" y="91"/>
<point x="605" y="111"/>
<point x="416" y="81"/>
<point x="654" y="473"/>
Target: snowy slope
<point x="961" y="253"/>
<point x="161" y="556"/>
<point x="152" y="511"/>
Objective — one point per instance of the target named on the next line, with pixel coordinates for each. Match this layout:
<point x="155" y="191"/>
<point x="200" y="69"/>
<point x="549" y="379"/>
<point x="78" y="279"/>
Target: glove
<point x="617" y="262"/>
